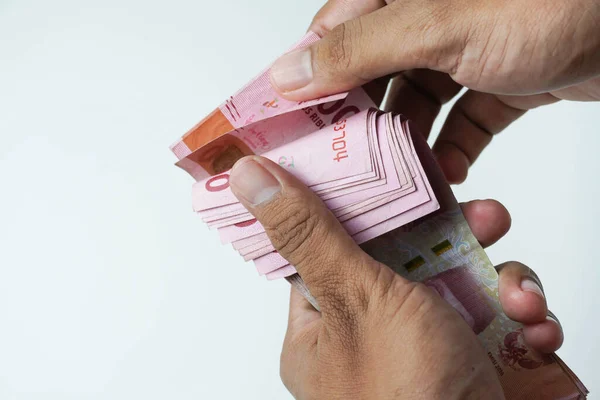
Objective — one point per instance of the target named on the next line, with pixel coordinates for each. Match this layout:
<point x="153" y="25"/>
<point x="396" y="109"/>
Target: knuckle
<point x="413" y="299"/>
<point x="383" y="287"/>
<point x="481" y="59"/>
<point x="461" y="49"/>
<point x="465" y="66"/>
<point x="295" y="228"/>
<point x="337" y="54"/>
<point x="421" y="294"/>
<point x="435" y="48"/>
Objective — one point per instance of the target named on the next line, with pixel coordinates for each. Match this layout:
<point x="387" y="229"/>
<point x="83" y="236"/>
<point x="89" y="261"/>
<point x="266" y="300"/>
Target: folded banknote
<point x="379" y="178"/>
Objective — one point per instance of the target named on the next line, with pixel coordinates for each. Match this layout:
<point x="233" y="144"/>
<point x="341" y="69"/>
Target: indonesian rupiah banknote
<point x="378" y="176"/>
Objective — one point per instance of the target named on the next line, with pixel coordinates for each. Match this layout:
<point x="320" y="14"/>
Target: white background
<point x="110" y="288"/>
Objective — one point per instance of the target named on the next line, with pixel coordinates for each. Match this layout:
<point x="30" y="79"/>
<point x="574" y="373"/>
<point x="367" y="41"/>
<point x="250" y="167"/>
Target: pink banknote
<point x="379" y="178"/>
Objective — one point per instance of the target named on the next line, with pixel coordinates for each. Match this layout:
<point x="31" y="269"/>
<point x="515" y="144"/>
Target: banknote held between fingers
<point x="365" y="306"/>
<point x="480" y="45"/>
<point x="302" y="229"/>
<point x="523" y="299"/>
<point x="390" y="39"/>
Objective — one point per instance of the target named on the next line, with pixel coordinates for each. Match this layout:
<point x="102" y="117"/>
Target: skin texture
<point x="377" y="335"/>
<point x="512" y="56"/>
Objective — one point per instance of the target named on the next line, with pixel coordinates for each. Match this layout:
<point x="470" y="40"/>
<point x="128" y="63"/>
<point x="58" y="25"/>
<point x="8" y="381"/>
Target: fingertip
<point x="453" y="162"/>
<point x="523" y="306"/>
<point x="522" y="300"/>
<point x="489" y="220"/>
<point x="252" y="183"/>
<point x="545" y="337"/>
<point x="521" y="296"/>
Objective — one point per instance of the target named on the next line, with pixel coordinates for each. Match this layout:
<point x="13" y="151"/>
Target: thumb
<point x="403" y="35"/>
<point x="336" y="271"/>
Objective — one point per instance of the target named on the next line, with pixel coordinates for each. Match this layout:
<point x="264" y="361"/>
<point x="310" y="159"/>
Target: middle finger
<point x="419" y="94"/>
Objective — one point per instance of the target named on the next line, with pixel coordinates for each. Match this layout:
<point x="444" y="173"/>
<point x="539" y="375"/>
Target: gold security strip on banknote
<point x="441" y="251"/>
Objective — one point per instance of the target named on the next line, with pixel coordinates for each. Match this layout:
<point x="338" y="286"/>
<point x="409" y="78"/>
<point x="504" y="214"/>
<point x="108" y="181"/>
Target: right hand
<point x="512" y="55"/>
<point x="378" y="335"/>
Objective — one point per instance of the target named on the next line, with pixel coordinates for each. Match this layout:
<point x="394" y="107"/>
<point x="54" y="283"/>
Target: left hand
<point x="378" y="334"/>
<point x="515" y="55"/>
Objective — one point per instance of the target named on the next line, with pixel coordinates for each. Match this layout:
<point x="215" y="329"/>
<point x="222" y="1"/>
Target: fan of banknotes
<point x="378" y="177"/>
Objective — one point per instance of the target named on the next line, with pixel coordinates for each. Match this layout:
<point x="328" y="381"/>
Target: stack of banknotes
<point x="379" y="178"/>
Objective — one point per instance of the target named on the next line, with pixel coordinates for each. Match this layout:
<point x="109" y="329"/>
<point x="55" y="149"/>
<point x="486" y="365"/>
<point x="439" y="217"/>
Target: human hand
<point x="513" y="56"/>
<point x="378" y="335"/>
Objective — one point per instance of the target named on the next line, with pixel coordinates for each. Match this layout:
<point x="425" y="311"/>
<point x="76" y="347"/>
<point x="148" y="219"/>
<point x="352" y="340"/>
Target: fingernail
<point x="293" y="70"/>
<point x="252" y="182"/>
<point x="529" y="285"/>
